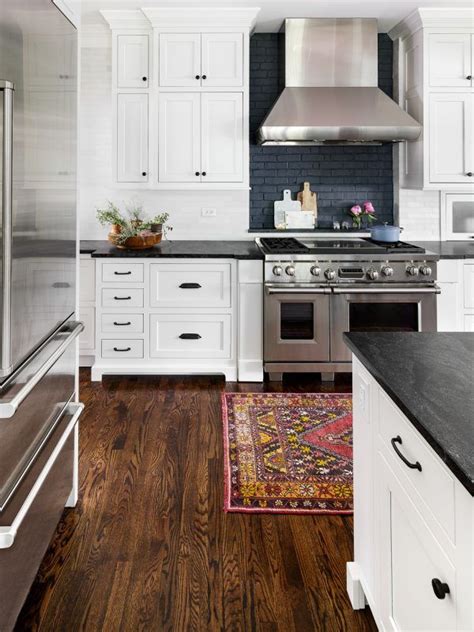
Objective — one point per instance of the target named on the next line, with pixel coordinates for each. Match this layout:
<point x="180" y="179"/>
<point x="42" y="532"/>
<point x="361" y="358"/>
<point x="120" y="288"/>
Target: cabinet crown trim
<point x="125" y="19"/>
<point x="434" y="17"/>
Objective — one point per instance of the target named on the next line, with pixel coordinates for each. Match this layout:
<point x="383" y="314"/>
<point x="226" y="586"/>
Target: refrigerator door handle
<point x="8" y="408"/>
<point x="6" y="89"/>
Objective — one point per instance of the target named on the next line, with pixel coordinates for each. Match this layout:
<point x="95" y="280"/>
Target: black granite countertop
<point x="87" y="246"/>
<point x="449" y="249"/>
<point x="180" y="249"/>
<point x="430" y="377"/>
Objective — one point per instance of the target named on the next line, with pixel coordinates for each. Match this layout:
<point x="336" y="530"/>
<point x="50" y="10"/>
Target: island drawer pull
<point x="190" y="336"/>
<point x="412" y="466"/>
<point x="440" y="589"/>
<point x="126" y="349"/>
<point x="122" y="273"/>
<point x="190" y="286"/>
<point x="122" y="298"/>
<point x="122" y="324"/>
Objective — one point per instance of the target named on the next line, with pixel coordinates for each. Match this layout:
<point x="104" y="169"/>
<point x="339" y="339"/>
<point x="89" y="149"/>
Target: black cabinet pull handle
<point x="122" y="298"/>
<point x="198" y="76"/>
<point x="204" y="173"/>
<point x="413" y="466"/>
<point x="190" y="286"/>
<point x="190" y="336"/>
<point x="144" y="78"/>
<point x="61" y="284"/>
<point x="122" y="324"/>
<point x="126" y="349"/>
<point x="122" y="273"/>
<point x="469" y="173"/>
<point x="440" y="588"/>
<point x="204" y="76"/>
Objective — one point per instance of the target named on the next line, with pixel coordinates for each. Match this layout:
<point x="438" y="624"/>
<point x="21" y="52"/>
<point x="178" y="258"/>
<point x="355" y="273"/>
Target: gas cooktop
<point x="358" y="245"/>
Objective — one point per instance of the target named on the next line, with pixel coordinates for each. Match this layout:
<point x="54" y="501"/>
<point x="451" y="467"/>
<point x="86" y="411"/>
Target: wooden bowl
<point x="137" y="243"/>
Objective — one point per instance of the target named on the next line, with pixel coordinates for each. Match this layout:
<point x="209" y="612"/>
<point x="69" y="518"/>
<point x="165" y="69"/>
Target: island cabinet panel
<point x="87" y="310"/>
<point x="413" y="522"/>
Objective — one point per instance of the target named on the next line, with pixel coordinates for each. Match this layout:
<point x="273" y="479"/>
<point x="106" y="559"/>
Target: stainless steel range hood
<point x="331" y="93"/>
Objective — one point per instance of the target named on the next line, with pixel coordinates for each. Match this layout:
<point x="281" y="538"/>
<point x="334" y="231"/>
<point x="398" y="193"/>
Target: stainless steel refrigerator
<point x="38" y="429"/>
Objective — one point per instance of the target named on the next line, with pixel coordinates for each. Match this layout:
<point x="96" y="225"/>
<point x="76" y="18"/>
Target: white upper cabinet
<point x="222" y="137"/>
<point x="132" y="61"/>
<point x="179" y="137"/>
<point x="451" y="138"/>
<point x="132" y="137"/>
<point x="195" y="60"/>
<point x="222" y="59"/>
<point x="180" y="59"/>
<point x="450" y="60"/>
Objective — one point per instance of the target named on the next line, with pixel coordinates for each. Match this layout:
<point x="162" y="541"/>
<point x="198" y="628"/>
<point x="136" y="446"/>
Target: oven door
<point x="380" y="309"/>
<point x="296" y="324"/>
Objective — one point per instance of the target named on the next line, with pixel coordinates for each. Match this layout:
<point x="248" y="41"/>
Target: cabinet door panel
<point x="180" y="59"/>
<point x="448" y="304"/>
<point x="469" y="285"/>
<point x="222" y="59"/>
<point x="132" y="138"/>
<point x="450" y="60"/>
<point x="451" y="142"/>
<point x="411" y="558"/>
<point x="179" y="137"/>
<point x="222" y="137"/>
<point x="132" y="61"/>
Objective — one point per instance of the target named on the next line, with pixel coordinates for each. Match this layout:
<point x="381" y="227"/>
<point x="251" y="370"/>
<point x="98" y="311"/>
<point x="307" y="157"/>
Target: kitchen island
<point x="413" y="479"/>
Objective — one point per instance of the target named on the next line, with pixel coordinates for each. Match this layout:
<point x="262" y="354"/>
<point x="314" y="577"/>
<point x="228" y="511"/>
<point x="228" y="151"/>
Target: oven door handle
<point x="298" y="290"/>
<point x="395" y="290"/>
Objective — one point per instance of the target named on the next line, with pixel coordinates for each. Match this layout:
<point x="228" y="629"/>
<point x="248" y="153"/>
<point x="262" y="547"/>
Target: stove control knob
<point x="277" y="270"/>
<point x="330" y="274"/>
<point x="290" y="270"/>
<point x="315" y="270"/>
<point x="373" y="274"/>
<point x="425" y="270"/>
<point x="387" y="271"/>
<point x="412" y="271"/>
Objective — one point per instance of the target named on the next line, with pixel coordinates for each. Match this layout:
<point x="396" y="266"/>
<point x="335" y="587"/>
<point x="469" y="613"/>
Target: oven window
<point x="383" y="317"/>
<point x="297" y="321"/>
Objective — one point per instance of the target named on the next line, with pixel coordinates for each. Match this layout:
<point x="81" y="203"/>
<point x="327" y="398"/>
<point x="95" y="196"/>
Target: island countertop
<point x="245" y="249"/>
<point x="430" y="377"/>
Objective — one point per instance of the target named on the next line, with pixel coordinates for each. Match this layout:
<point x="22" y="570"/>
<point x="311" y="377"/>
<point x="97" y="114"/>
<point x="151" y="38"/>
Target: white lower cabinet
<point x="413" y="546"/>
<point x="455" y="304"/>
<point x="87" y="310"/>
<point x="179" y="316"/>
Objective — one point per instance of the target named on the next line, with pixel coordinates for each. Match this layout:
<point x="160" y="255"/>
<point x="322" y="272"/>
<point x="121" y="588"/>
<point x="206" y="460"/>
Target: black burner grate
<point x="283" y="245"/>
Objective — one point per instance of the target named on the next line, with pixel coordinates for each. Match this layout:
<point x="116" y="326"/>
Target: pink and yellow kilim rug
<point x="288" y="452"/>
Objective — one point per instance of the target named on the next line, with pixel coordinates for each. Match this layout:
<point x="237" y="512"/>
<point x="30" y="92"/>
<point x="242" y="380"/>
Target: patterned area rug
<point x="288" y="453"/>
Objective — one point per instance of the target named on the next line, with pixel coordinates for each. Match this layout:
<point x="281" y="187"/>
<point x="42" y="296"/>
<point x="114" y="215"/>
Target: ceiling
<point x="272" y="12"/>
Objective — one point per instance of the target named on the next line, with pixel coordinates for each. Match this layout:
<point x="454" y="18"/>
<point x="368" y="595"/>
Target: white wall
<point x="95" y="162"/>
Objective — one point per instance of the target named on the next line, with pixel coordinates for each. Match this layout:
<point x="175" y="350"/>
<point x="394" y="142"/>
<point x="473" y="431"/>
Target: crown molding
<point x="125" y="19"/>
<point x="205" y="17"/>
<point x="446" y="18"/>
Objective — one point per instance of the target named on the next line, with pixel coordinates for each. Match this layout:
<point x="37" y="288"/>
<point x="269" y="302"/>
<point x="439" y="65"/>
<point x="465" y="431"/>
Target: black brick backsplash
<point x="341" y="175"/>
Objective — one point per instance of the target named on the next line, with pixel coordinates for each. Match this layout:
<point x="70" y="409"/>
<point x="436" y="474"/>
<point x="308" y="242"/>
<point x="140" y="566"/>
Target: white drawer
<point x="433" y="483"/>
<point x="190" y="336"/>
<point x="122" y="297"/>
<point x="123" y="348"/>
<point x="122" y="272"/>
<point x="87" y="281"/>
<point x="190" y="285"/>
<point x="122" y="323"/>
<point x="469" y="285"/>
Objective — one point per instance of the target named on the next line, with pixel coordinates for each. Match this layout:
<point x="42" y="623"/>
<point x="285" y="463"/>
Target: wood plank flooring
<point x="149" y="548"/>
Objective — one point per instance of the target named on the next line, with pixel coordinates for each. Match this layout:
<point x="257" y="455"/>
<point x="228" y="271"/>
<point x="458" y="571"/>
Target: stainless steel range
<point x="317" y="289"/>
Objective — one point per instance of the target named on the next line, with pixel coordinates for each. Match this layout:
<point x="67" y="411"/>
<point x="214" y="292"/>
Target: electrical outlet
<point x="208" y="212"/>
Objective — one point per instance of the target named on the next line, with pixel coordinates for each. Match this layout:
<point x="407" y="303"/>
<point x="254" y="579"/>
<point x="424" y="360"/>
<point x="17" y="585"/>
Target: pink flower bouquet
<point x="357" y="212"/>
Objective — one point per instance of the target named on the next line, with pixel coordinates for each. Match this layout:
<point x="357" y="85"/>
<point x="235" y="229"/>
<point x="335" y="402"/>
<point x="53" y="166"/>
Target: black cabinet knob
<point x="197" y="173"/>
<point x="198" y="76"/>
<point x="143" y="173"/>
<point x="204" y="173"/>
<point x="469" y="173"/>
<point x="144" y="78"/>
<point x="440" y="589"/>
<point x="204" y="77"/>
<point x="469" y="77"/>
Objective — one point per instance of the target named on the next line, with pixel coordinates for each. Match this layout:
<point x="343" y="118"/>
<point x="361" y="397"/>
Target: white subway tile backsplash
<point x="419" y="214"/>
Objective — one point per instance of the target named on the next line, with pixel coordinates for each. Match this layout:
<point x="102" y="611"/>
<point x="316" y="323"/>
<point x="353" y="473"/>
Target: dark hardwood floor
<point x="149" y="548"/>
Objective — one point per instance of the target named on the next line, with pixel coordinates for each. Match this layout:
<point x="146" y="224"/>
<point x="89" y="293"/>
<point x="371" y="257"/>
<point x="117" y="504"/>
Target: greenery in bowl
<point x="135" y="225"/>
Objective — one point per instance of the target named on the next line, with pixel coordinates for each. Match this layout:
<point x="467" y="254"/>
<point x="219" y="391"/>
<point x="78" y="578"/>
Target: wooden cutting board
<point x="281" y="206"/>
<point x="308" y="199"/>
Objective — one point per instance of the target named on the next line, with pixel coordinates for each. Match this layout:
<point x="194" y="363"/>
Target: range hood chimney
<point x="331" y="93"/>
